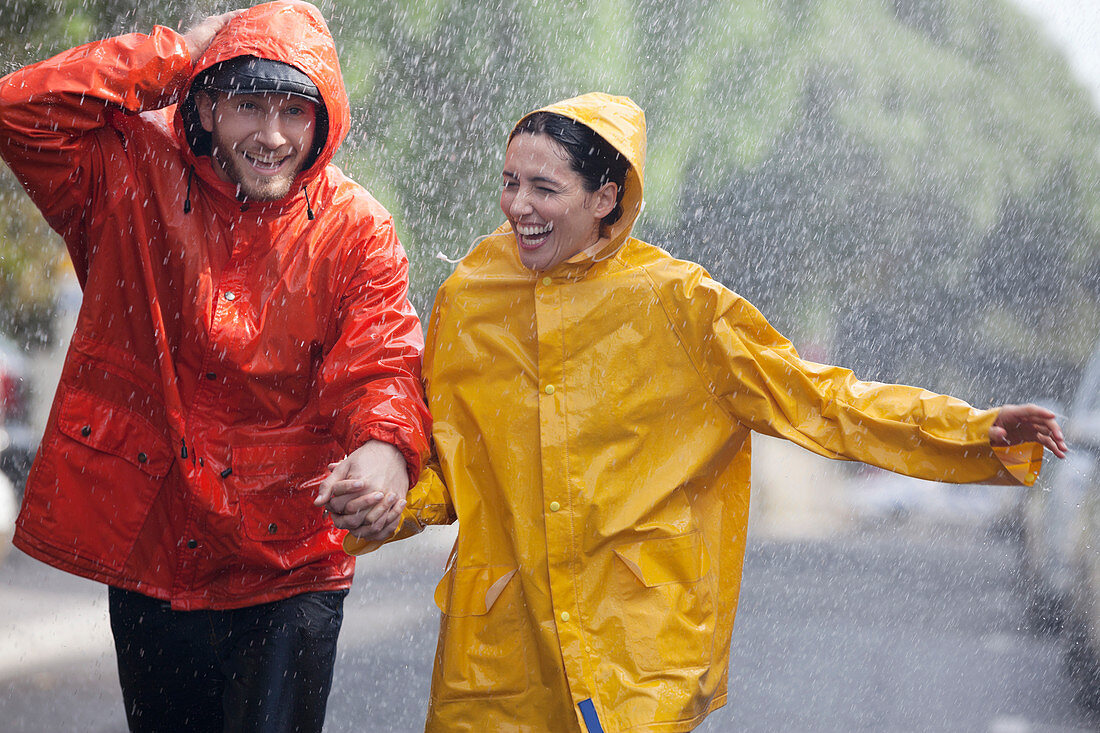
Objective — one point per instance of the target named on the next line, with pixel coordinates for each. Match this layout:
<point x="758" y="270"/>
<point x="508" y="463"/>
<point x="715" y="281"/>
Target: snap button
<point x="554" y="506"/>
<point x="86" y="430"/>
<point x="211" y="375"/>
<point x="546" y="281"/>
<point x="565" y="615"/>
<point x="549" y="389"/>
<point x="230" y="295"/>
<point x="192" y="544"/>
<point x="142" y="458"/>
<point x="272" y="528"/>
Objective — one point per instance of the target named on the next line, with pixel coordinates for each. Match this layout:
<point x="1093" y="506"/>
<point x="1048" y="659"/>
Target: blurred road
<point x="910" y="628"/>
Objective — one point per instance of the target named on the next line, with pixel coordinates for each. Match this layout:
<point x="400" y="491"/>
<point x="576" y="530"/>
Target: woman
<point x="593" y="402"/>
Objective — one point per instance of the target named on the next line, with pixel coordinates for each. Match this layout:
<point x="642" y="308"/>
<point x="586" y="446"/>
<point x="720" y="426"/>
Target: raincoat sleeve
<point x="370" y="376"/>
<point x="758" y="377"/>
<point x="60" y="121"/>
<point x="429" y="500"/>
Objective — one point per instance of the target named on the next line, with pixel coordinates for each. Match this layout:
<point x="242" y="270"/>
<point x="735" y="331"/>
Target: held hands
<point x="365" y="492"/>
<point x="200" y="36"/>
<point x="1028" y="423"/>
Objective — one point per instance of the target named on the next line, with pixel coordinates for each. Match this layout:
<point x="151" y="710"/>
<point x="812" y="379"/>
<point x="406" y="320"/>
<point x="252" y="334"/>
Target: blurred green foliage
<point x="908" y="187"/>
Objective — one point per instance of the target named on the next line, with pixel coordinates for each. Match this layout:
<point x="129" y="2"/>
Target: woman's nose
<point x="520" y="204"/>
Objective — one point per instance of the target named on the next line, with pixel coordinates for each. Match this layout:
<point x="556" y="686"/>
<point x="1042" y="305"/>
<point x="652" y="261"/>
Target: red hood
<point x="294" y="33"/>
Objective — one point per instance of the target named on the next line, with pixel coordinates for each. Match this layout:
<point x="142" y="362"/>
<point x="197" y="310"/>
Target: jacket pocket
<point x="668" y="617"/>
<point x="113" y="430"/>
<point x="97" y="479"/>
<point x="276" y="484"/>
<point x="482" y="649"/>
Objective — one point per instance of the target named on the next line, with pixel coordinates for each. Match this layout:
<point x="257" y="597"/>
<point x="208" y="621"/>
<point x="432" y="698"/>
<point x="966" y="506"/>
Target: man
<point x="244" y="326"/>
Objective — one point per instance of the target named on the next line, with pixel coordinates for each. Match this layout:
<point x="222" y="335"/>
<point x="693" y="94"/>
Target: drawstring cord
<point x="187" y="199"/>
<point x="476" y="242"/>
<point x="309" y="209"/>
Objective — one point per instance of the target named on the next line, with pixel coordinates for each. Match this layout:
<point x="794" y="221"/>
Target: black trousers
<point x="263" y="668"/>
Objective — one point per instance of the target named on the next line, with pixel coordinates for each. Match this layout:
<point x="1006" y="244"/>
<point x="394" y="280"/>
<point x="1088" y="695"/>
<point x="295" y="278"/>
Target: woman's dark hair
<point x="593" y="158"/>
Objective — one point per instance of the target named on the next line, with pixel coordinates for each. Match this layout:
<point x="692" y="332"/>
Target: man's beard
<point x="250" y="185"/>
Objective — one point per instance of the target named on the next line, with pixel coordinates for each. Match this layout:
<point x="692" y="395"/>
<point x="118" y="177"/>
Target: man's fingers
<point x="367" y="502"/>
<point x="350" y="522"/>
<point x="376" y="533"/>
<point x="377" y="523"/>
<point x="336" y="494"/>
<point x="379" y="514"/>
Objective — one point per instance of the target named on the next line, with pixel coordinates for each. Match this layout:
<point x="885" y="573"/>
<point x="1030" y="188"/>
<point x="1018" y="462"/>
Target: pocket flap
<point x="115" y="430"/>
<point x="679" y="559"/>
<point x="472" y="591"/>
<point x="275" y="485"/>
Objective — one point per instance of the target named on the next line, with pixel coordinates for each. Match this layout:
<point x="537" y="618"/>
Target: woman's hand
<point x="1028" y="423"/>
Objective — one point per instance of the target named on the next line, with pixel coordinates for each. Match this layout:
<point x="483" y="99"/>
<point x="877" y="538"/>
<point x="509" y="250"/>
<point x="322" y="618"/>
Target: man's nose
<point x="271" y="131"/>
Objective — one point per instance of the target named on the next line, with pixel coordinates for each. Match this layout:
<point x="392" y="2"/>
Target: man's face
<point x="260" y="140"/>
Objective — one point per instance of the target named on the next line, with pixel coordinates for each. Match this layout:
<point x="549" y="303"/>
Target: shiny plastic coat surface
<point x="592" y="426"/>
<point x="225" y="351"/>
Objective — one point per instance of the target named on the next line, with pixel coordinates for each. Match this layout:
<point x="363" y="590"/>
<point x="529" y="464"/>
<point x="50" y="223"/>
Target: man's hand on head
<point x="199" y="36"/>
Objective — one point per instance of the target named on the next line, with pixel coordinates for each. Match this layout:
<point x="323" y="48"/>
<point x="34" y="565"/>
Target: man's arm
<point x="370" y="372"/>
<point x="370" y="383"/>
<point x="56" y="117"/>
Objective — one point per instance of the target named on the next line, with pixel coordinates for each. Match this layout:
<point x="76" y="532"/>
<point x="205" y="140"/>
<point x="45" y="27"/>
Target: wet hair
<point x="593" y="158"/>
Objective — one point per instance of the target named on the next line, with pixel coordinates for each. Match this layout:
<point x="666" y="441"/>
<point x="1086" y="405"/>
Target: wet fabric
<point x="264" y="668"/>
<point x="593" y="429"/>
<point x="225" y="350"/>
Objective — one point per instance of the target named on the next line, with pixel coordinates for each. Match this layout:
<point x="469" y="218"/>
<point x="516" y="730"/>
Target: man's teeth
<point x="269" y="162"/>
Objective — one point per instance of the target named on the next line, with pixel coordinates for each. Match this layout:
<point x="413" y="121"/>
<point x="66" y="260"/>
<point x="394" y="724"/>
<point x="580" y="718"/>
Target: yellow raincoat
<point x="592" y="426"/>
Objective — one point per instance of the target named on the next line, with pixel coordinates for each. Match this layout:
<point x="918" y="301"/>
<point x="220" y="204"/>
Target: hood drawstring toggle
<point x="187" y="199"/>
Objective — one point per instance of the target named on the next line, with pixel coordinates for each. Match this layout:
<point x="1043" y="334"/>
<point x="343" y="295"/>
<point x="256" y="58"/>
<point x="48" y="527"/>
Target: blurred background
<point x="905" y="187"/>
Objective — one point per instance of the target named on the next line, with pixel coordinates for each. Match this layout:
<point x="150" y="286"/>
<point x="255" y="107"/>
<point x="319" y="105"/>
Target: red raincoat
<point x="225" y="351"/>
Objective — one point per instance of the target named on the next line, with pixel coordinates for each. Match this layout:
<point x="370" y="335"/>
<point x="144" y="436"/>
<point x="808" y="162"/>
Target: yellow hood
<point x="622" y="123"/>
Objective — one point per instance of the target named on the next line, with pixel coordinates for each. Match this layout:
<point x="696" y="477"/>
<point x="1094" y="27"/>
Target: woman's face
<point x="551" y="213"/>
